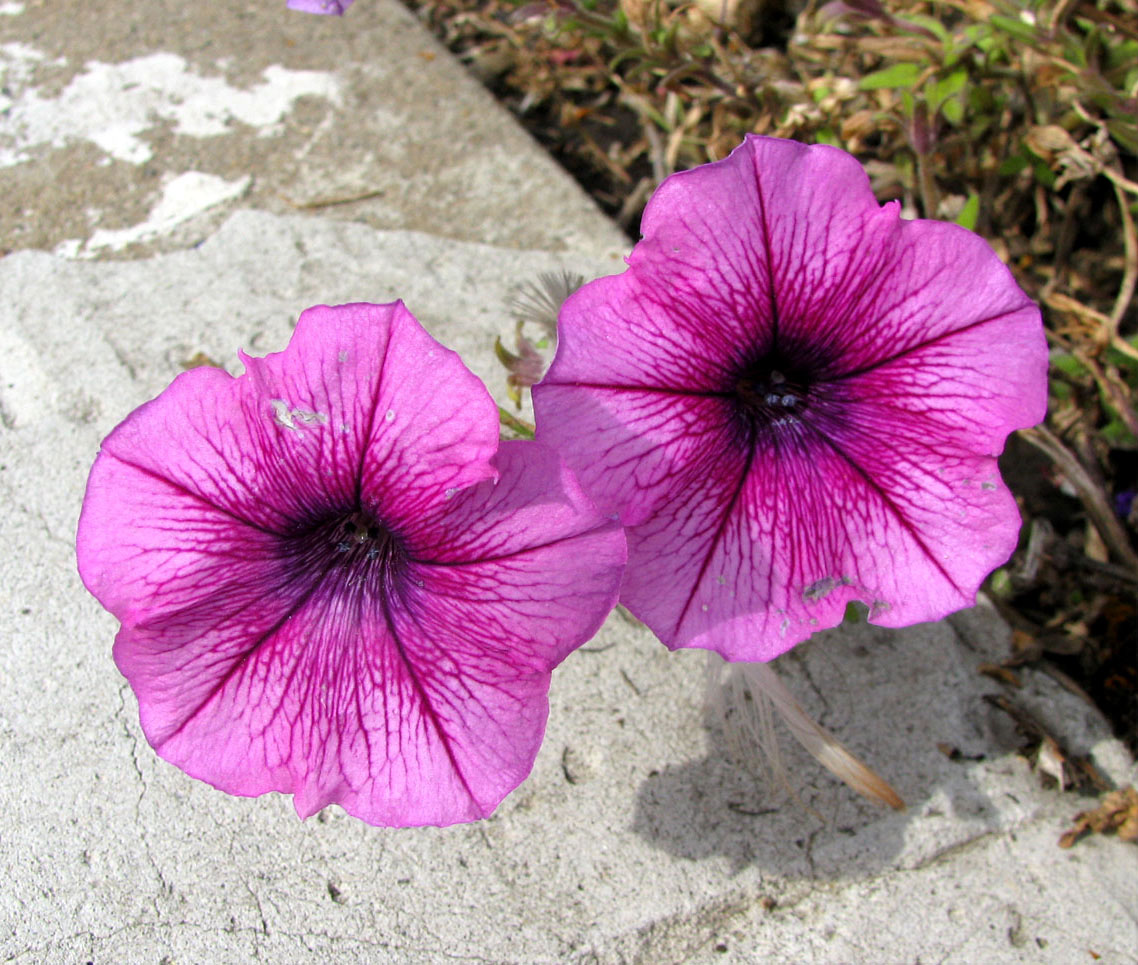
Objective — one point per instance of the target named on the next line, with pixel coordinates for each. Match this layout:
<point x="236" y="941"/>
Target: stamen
<point x="769" y="394"/>
<point x="353" y="554"/>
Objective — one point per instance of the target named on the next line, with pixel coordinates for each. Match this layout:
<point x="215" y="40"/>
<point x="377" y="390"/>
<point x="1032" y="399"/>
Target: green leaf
<point x="1125" y="133"/>
<point x="902" y="75"/>
<point x="1044" y="175"/>
<point x="1067" y="364"/>
<point x="1123" y="55"/>
<point x="941" y="90"/>
<point x="1123" y="361"/>
<point x="1000" y="584"/>
<point x="932" y="25"/>
<point x="505" y="356"/>
<point x="969" y="213"/>
<point x="980" y="36"/>
<point x="1116" y="433"/>
<point x="1012" y="165"/>
<point x="510" y="421"/>
<point x="1014" y="27"/>
<point x="952" y="111"/>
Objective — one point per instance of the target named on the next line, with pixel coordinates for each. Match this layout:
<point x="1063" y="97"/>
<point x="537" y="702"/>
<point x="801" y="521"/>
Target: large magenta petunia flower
<point x="331" y="579"/>
<point x="795" y="399"/>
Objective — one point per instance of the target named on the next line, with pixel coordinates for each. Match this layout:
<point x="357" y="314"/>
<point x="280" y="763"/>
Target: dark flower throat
<point x="768" y="393"/>
<point x="348" y="554"/>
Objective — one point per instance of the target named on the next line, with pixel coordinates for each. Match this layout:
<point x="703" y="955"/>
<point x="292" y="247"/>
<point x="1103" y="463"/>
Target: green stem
<point x="511" y="421"/>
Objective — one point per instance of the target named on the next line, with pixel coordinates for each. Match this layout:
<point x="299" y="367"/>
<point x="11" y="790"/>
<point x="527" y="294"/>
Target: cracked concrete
<point x="636" y="838"/>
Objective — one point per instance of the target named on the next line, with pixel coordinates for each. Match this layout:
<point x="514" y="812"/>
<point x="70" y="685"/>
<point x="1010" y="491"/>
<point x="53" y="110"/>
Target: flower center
<point x="350" y="555"/>
<point x="769" y="393"/>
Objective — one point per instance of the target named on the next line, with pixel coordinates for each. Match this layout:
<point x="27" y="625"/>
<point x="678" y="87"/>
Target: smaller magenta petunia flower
<point x="332" y="580"/>
<point x="335" y="7"/>
<point x="795" y="399"/>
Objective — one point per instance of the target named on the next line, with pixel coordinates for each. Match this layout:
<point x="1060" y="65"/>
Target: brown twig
<point x="1091" y="496"/>
<point x="1113" y="388"/>
<point x="1129" y="277"/>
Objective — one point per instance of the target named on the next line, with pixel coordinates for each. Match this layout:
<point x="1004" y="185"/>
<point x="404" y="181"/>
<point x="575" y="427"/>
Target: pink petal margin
<point x="924" y="355"/>
<point x="422" y="702"/>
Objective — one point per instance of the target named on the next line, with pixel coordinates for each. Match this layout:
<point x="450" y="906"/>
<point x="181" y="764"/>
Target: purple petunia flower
<point x="331" y="579"/>
<point x="337" y="7"/>
<point x="794" y="399"/>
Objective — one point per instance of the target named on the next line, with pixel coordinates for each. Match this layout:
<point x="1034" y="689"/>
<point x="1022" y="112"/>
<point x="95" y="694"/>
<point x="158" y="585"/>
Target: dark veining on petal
<point x="839" y="375"/>
<point x="717" y="536"/>
<point x="373" y="408"/>
<point x="210" y="502"/>
<point x="349" y="558"/>
<point x="891" y="506"/>
<point x="294" y="607"/>
<point x="630" y="387"/>
<point x="774" y="319"/>
<point x="425" y="704"/>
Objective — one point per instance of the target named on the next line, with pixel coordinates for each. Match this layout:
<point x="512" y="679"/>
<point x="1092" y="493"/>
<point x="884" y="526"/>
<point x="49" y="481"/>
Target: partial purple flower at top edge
<point x="795" y="399"/>
<point x="333" y="582"/>
<point x="337" y="7"/>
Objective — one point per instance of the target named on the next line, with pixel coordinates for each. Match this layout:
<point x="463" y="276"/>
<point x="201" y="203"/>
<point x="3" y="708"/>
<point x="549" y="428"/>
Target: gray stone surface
<point x="636" y="838"/>
<point x="132" y="127"/>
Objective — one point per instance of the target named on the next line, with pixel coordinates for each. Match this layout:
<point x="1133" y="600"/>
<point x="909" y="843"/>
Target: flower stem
<point x="524" y="429"/>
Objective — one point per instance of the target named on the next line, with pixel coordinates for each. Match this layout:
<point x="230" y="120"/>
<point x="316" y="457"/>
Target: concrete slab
<point x="127" y="128"/>
<point x="636" y="838"/>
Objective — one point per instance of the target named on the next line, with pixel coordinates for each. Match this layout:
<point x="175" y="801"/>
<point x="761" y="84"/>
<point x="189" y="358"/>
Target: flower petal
<point x="405" y="419"/>
<point x="762" y="555"/>
<point x="292" y="434"/>
<point x="627" y="444"/>
<point x="853" y="283"/>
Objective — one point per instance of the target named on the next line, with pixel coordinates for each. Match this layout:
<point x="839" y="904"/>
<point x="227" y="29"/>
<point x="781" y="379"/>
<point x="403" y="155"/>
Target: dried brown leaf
<point x="1117" y="813"/>
<point x="199" y="359"/>
<point x="1000" y="673"/>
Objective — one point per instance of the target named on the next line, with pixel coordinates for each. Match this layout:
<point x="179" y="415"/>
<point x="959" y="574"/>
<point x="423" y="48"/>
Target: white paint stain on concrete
<point x="114" y="105"/>
<point x="17" y="63"/>
<point x="189" y="194"/>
